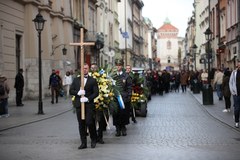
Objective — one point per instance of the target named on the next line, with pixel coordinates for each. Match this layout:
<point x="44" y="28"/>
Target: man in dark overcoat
<point x="90" y="92"/>
<point x="121" y="116"/>
<point x="19" y="85"/>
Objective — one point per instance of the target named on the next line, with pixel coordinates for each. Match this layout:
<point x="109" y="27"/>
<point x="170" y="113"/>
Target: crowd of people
<point x="225" y="82"/>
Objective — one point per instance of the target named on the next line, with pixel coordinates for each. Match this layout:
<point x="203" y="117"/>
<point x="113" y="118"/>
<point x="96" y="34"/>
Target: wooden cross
<point x="82" y="44"/>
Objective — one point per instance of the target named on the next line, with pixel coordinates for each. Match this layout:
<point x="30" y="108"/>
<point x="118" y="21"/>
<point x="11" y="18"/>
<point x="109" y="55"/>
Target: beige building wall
<point x="18" y="35"/>
<point x="138" y="41"/>
<point x="145" y="44"/>
<point x="12" y="24"/>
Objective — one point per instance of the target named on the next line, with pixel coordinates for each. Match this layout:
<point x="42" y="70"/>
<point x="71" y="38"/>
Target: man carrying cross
<point x="89" y="92"/>
<point x="85" y="89"/>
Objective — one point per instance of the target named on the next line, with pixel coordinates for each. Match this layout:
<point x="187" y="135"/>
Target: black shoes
<point x="20" y="105"/>
<point x="52" y="102"/>
<point x="118" y="134"/>
<point x="134" y="121"/>
<point x="93" y="144"/>
<point x="124" y="133"/>
<point x="82" y="146"/>
<point x="100" y="140"/>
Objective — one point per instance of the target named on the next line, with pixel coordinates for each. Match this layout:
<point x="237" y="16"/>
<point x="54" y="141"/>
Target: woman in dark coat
<point x="226" y="91"/>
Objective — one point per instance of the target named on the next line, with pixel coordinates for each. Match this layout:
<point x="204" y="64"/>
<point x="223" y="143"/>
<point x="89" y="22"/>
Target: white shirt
<point x="67" y="80"/>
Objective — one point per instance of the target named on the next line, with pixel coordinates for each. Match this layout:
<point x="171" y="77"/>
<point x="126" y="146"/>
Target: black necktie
<point x="85" y="76"/>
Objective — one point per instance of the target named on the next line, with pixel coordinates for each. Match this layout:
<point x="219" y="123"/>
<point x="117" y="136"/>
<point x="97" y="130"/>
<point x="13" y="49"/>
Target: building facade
<point x="19" y="42"/>
<point x="167" y="46"/>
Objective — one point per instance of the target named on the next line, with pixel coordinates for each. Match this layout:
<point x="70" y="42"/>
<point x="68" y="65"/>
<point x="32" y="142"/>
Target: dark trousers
<point x="84" y="124"/>
<point x="55" y="92"/>
<point x="3" y="106"/>
<point x="19" y="94"/>
<point x="227" y="102"/>
<point x="132" y="113"/>
<point x="101" y="124"/>
<point x="236" y="107"/>
<point x="184" y="88"/>
<point x="167" y="87"/>
<point x="121" y="117"/>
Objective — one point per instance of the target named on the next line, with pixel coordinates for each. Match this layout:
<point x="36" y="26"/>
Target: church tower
<point x="167" y="46"/>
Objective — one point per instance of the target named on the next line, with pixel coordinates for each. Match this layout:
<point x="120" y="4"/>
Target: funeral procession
<point x="119" y="79"/>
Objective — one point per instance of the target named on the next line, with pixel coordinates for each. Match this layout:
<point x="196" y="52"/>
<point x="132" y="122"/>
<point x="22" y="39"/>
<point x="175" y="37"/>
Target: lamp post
<point x="208" y="35"/>
<point x="207" y="90"/>
<point x="39" y="25"/>
<point x="194" y="47"/>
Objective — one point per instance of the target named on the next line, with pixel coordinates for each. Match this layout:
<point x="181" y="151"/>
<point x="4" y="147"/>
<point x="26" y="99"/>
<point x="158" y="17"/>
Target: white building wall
<point x="166" y="53"/>
<point x="150" y="43"/>
<point x="199" y="35"/>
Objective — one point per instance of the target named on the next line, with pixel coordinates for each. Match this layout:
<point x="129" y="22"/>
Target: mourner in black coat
<point x="90" y="92"/>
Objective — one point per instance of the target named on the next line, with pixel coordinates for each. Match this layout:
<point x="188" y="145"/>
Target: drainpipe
<point x="238" y="39"/>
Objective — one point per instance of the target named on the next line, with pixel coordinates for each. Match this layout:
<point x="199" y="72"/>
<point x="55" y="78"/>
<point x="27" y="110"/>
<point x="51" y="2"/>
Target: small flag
<point x="120" y="101"/>
<point x="124" y="34"/>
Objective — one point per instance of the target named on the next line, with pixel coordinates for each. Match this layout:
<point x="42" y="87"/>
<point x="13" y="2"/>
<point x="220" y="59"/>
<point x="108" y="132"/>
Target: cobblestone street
<point x="176" y="127"/>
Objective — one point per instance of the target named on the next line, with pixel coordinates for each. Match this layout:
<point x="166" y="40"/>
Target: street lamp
<point x="39" y="25"/>
<point x="194" y="47"/>
<point x="208" y="35"/>
<point x="207" y="90"/>
<point x="64" y="50"/>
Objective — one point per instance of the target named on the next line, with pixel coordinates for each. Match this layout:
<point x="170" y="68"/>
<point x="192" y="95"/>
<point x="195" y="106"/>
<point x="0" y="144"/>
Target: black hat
<point x="119" y="62"/>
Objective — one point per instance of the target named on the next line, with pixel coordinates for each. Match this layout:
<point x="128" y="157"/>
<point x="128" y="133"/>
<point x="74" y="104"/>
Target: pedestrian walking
<point x="67" y="81"/>
<point x="204" y="78"/>
<point x="54" y="85"/>
<point x="234" y="85"/>
<point x="184" y="81"/>
<point x="218" y="79"/>
<point x="89" y="92"/>
<point x="166" y="80"/>
<point x="122" y="114"/>
<point x="19" y="85"/>
<point x="177" y="81"/>
<point x="4" y="91"/>
<point x="226" y="91"/>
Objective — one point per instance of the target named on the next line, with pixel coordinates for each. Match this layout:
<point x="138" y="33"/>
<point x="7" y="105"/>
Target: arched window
<point x="169" y="45"/>
<point x="169" y="59"/>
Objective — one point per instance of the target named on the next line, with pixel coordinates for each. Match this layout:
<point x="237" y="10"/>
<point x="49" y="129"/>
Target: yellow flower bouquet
<point x="106" y="94"/>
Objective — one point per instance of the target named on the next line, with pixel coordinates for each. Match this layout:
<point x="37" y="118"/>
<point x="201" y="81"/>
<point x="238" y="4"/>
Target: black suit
<point x="91" y="92"/>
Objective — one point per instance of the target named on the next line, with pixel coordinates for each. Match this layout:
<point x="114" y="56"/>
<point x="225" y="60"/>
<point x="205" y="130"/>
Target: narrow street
<point x="176" y="127"/>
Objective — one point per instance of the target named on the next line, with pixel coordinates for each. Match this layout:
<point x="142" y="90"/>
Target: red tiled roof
<point x="168" y="27"/>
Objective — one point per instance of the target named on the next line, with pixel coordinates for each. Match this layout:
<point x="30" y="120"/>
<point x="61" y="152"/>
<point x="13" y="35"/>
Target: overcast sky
<point x="178" y="12"/>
